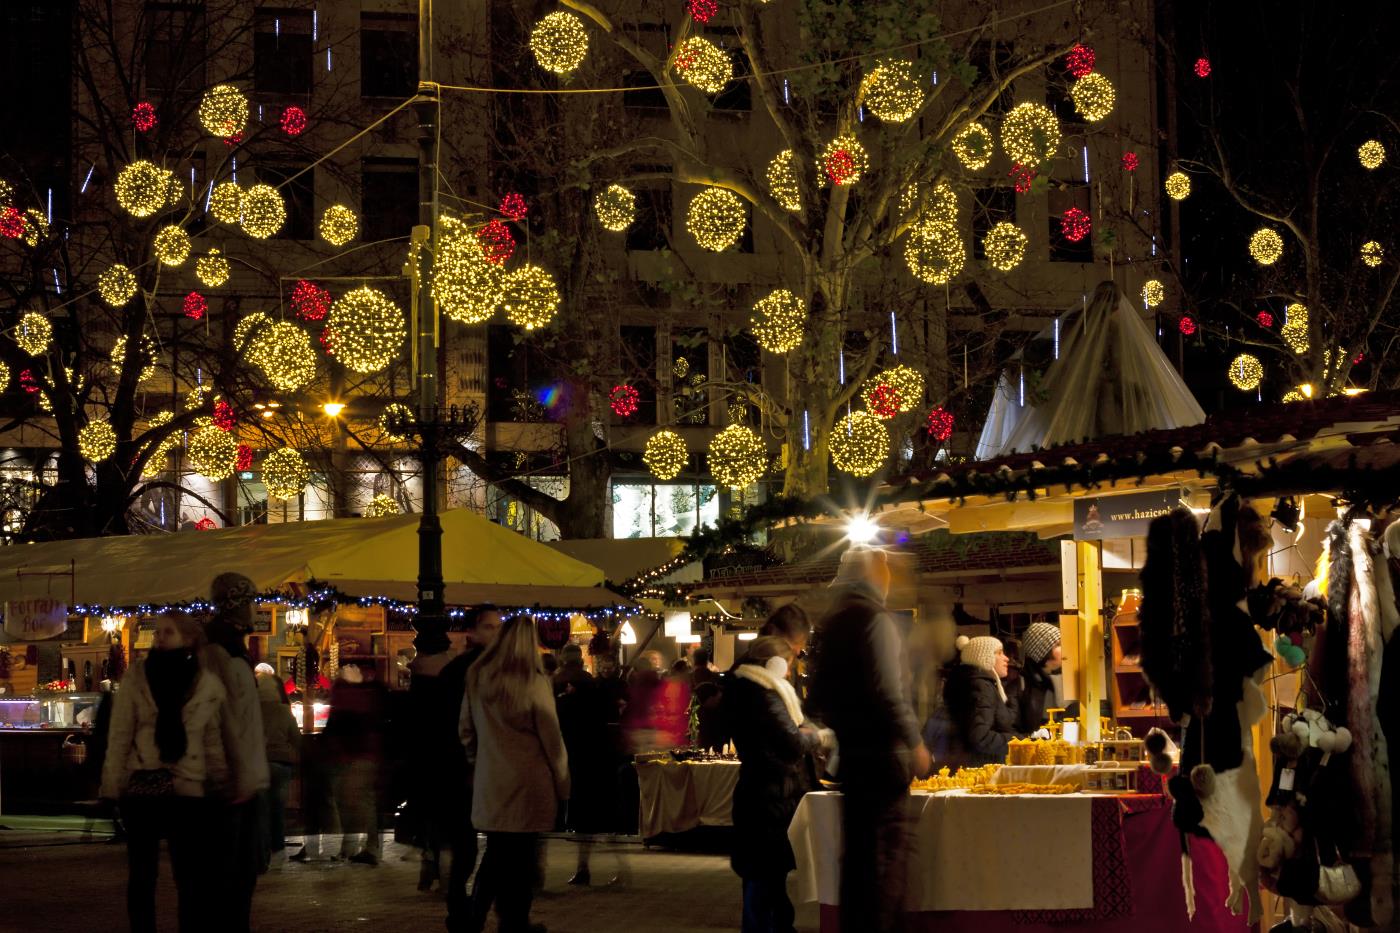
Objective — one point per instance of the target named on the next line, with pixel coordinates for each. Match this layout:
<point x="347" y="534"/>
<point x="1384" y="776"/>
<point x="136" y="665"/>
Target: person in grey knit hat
<point x="1040" y="657"/>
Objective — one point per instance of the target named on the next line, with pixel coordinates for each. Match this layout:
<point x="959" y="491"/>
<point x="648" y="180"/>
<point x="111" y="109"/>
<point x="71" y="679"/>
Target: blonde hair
<point x="507" y="668"/>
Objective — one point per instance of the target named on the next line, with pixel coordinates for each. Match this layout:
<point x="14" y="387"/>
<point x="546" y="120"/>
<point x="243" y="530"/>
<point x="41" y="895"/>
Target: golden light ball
<point x="37" y="228"/>
<point x="157" y="461"/>
<point x="146" y="356"/>
<point x="1246" y="372"/>
<point x="665" y="454"/>
<point x="382" y="506"/>
<point x="212" y="452"/>
<point x="1093" y="96"/>
<point x="1153" y="293"/>
<point x="4" y="377"/>
<point x="783" y="183"/>
<point x="531" y="298"/>
<point x="616" y="208"/>
<point x="844" y="161"/>
<point x="737" y="457"/>
<point x="560" y="42"/>
<point x="141" y="188"/>
<point x="1266" y="246"/>
<point x="248" y="334"/>
<point x="860" y="444"/>
<point x="1005" y="246"/>
<point x="33" y="333"/>
<point x="935" y="252"/>
<point x="212" y="269"/>
<point x="390" y="420"/>
<point x="973" y="146"/>
<point x="285" y="473"/>
<point x="1294" y="332"/>
<point x="1372" y="253"/>
<point x="892" y="91"/>
<point x="1371" y="154"/>
<point x="778" y="321"/>
<point x="367" y="329"/>
<point x="97" y="441"/>
<point x="716" y="219"/>
<point x="941" y="206"/>
<point x="465" y="284"/>
<point x="703" y="64"/>
<point x="1030" y="134"/>
<point x="1178" y="186"/>
<point x="907" y="383"/>
<point x="284" y="353"/>
<point x="264" y="212"/>
<point x="339" y="225"/>
<point x="172" y="245"/>
<point x="223" y="111"/>
<point x="226" y="202"/>
<point x="117" y="285"/>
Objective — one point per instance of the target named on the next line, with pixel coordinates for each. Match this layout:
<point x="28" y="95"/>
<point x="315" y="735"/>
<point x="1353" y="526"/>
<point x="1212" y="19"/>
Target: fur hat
<point x="1040" y="639"/>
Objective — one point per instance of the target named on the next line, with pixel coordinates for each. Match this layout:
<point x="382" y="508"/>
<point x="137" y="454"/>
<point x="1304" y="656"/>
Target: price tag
<point x="1285" y="779"/>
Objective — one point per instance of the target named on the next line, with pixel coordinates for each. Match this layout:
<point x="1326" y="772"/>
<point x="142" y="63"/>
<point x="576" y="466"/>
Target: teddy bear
<point x="1281" y="838"/>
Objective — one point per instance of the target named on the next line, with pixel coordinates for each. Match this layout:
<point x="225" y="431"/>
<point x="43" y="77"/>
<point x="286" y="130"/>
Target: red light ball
<point x="1075" y="225"/>
<point x="143" y="117"/>
<point x="206" y="523"/>
<point x="513" y="206"/>
<point x="1130" y="161"/>
<point x="885" y="401"/>
<point x="28" y="382"/>
<point x="12" y="223"/>
<point x="940" y="424"/>
<point x="195" y="306"/>
<point x="224" y="418"/>
<point x="1202" y="67"/>
<point x="293" y="121"/>
<point x="1187" y="325"/>
<point x="234" y="140"/>
<point x="1023" y="177"/>
<point x="244" y="459"/>
<point x="840" y="166"/>
<point x="497" y="243"/>
<point x="623" y="399"/>
<point x="310" y="302"/>
<point x="1358" y="359"/>
<point x="1079" y="61"/>
<point x="1265" y="319"/>
<point x="702" y="11"/>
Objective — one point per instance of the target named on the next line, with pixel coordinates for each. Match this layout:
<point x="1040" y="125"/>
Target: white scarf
<point x="769" y="681"/>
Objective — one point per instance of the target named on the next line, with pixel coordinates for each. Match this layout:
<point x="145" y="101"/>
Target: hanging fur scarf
<point x="1175" y="625"/>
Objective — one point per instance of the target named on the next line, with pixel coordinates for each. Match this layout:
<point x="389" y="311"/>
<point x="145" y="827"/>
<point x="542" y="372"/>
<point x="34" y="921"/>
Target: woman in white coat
<point x="520" y="770"/>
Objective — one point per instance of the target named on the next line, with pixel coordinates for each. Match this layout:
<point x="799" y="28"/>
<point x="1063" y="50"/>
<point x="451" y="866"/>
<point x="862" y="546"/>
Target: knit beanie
<point x="981" y="652"/>
<point x="1040" y="639"/>
<point x="232" y="595"/>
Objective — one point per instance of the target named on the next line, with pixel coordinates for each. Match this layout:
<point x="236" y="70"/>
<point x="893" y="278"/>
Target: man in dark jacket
<point x="857" y="688"/>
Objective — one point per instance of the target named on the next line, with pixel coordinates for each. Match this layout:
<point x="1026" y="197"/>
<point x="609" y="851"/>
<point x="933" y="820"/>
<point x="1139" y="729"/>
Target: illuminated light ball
<point x="860" y="444"/>
<point x="223" y="111"/>
<point x="195" y="306"/>
<point x="530" y="298"/>
<point x="1266" y="246"/>
<point x="143" y="117"/>
<point x="559" y="42"/>
<point x="196" y="396"/>
<point x="1265" y="319"/>
<point x="1093" y="97"/>
<point x="28" y="382"/>
<point x="310" y="302"/>
<point x="703" y="64"/>
<point x="97" y="441"/>
<point x="665" y="455"/>
<point x="616" y="208"/>
<point x="893" y="90"/>
<point x="396" y="422"/>
<point x="623" y="400"/>
<point x="142" y="188"/>
<point x="737" y="457"/>
<point x="12" y="223"/>
<point x="1246" y="372"/>
<point x="1202" y="67"/>
<point x="702" y="11"/>
<point x="369" y="329"/>
<point x="264" y="212"/>
<point x="935" y="252"/>
<point x="1372" y="253"/>
<point x="1187" y="325"/>
<point x="46" y="397"/>
<point x="1178" y="186"/>
<point x="243" y="462"/>
<point x="172" y="245"/>
<point x="1295" y="315"/>
<point x="783" y="183"/>
<point x="293" y="121"/>
<point x="1030" y="133"/>
<point x="1130" y="161"/>
<point x="382" y="506"/>
<point x="844" y="160"/>
<point x="285" y="473"/>
<point x="156" y="462"/>
<point x="33" y="333"/>
<point x="205" y="524"/>
<point x="1005" y="246"/>
<point x="1075" y="225"/>
<point x="907" y="382"/>
<point x="212" y="453"/>
<point x="497" y="242"/>
<point x="224" y="418"/>
<point x="4" y="377"/>
<point x="226" y="202"/>
<point x="146" y="356"/>
<point x="36" y="227"/>
<point x="117" y="285"/>
<point x="680" y="367"/>
<point x="212" y="269"/>
<point x="716" y="219"/>
<point x="883" y="401"/>
<point x="777" y="321"/>
<point x="939" y="424"/>
<point x="7" y="193"/>
<point x="973" y="146"/>
<point x="1371" y="154"/>
<point x="1153" y="293"/>
<point x="1302" y="393"/>
<point x="1023" y="177"/>
<point x="339" y="225"/>
<point x="1295" y="336"/>
<point x="1079" y="61"/>
<point x="942" y="204"/>
<point x="513" y="206"/>
<point x="466" y="286"/>
<point x="284" y="353"/>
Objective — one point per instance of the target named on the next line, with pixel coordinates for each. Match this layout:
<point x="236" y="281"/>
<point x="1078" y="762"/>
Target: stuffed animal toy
<point x="1281" y="838"/>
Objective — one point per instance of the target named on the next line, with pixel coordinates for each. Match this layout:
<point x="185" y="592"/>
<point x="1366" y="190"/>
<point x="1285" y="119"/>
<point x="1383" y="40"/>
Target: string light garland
<point x="310" y="302"/>
<point x="243" y="461"/>
<point x="465" y="285"/>
<point x="33" y="333"/>
<point x="844" y="160"/>
<point x="223" y="111"/>
<point x="497" y="242"/>
<point x="935" y="252"/>
<point x="117" y="285"/>
<point x="339" y="225"/>
<point x="293" y="121"/>
<point x="665" y="454"/>
<point x="513" y="206"/>
<point x="1372" y="253"/>
<point x="382" y="506"/>
<point x="97" y="441"/>
<point x="1202" y="67"/>
<point x="369" y="329"/>
<point x="737" y="457"/>
<point x="1246" y="372"/>
<point x="1030" y="133"/>
<point x="559" y="42"/>
<point x="1074" y="225"/>
<point x="1153" y="293"/>
<point x="195" y="306"/>
<point x="716" y="219"/>
<point x="883" y="401"/>
<point x="1187" y="325"/>
<point x="893" y="90"/>
<point x="860" y="444"/>
<point x="1005" y="246"/>
<point x="212" y="453"/>
<point x="142" y="188"/>
<point x="263" y="212"/>
<point x="1130" y="161"/>
<point x="777" y="321"/>
<point x="1079" y="60"/>
<point x="1371" y="154"/>
<point x="783" y="183"/>
<point x="703" y="64"/>
<point x="1093" y="96"/>
<point x="226" y="202"/>
<point x="146" y="356"/>
<point x="907" y="382"/>
<point x="391" y="418"/>
<point x="1265" y="319"/>
<point x="1266" y="246"/>
<point x="285" y="473"/>
<point x="284" y="353"/>
<point x="615" y="207"/>
<point x="1178" y="186"/>
<point x="939" y="424"/>
<point x="212" y="269"/>
<point x="530" y="298"/>
<point x="973" y="146"/>
<point x="171" y="245"/>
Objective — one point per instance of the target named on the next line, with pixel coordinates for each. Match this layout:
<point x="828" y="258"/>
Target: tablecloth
<point x="679" y="796"/>
<point x="1041" y="774"/>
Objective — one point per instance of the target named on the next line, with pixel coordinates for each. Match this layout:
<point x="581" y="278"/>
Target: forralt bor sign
<point x="1103" y="517"/>
<point x="36" y="619"/>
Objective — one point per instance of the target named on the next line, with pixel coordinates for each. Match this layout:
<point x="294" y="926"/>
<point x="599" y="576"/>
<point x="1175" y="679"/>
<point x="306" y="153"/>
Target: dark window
<point x="745" y="244"/>
<point x="389" y="198"/>
<point x="690" y="396"/>
<point x="298" y="194"/>
<point x="1057" y="85"/>
<point x="743" y="363"/>
<point x="518" y="379"/>
<point x="282" y="52"/>
<point x="738" y="94"/>
<point x="992" y="60"/>
<point x="639" y="370"/>
<point x="646" y="96"/>
<point x="388" y="55"/>
<point x="176" y="40"/>
<point x="1060" y="201"/>
<point x="652" y="228"/>
<point x="990" y="206"/>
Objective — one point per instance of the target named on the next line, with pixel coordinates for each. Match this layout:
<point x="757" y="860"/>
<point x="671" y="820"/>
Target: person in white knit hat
<point x="979" y="721"/>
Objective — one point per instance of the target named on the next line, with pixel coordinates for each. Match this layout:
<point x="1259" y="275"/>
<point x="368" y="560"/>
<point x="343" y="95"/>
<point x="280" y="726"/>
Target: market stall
<point x="678" y="796"/>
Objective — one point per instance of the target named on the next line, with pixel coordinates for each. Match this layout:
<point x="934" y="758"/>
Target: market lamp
<point x="861" y="530"/>
<point x="333" y="409"/>
<point x="627" y="635"/>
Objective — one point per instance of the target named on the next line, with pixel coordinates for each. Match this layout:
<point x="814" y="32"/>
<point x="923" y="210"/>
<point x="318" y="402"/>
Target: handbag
<point x="1336" y="884"/>
<point x="153" y="782"/>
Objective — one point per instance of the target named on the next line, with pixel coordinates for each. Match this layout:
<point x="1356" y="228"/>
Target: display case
<point x="44" y="765"/>
<point x="48" y="711"/>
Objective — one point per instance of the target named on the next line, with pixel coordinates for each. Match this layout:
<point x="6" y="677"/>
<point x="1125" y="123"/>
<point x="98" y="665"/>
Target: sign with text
<point x="36" y="619"/>
<point x="1102" y="517"/>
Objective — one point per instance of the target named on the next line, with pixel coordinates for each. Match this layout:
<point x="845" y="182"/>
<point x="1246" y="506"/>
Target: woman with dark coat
<point x="1040" y="657"/>
<point x="976" y="721"/>
<point x="773" y="739"/>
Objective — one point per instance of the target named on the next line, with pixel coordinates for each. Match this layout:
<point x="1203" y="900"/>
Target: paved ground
<point x="58" y="883"/>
